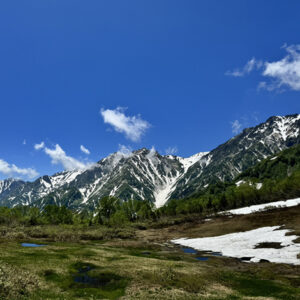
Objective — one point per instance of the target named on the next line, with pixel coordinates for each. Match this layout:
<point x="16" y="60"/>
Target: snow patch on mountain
<point x="163" y="192"/>
<point x="6" y="184"/>
<point x="146" y="175"/>
<point x="189" y="161"/>
<point x="262" y="207"/>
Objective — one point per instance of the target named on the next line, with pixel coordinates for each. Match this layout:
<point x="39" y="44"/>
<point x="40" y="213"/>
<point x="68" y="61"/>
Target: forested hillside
<point x="275" y="178"/>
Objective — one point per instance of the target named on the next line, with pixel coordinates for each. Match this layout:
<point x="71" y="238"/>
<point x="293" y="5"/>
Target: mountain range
<point x="146" y="175"/>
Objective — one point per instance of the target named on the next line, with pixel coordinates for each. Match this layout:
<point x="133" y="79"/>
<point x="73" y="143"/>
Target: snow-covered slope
<point x="143" y="174"/>
<point x="163" y="192"/>
<point x="146" y="175"/>
<point x="16" y="192"/>
<point x="239" y="153"/>
<point x="262" y="207"/>
<point x="6" y="185"/>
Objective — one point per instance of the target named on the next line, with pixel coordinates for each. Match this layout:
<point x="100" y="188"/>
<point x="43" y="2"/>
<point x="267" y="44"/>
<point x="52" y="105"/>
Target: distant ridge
<point x="146" y="175"/>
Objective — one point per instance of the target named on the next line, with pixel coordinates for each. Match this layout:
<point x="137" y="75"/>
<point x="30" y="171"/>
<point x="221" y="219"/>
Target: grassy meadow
<point x="139" y="262"/>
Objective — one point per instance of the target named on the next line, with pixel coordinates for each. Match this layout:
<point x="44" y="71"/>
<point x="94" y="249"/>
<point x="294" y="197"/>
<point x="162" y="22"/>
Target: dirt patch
<point x="269" y="245"/>
<point x="220" y="225"/>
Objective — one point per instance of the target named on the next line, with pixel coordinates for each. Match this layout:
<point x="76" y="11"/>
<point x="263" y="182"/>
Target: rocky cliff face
<point x="146" y="175"/>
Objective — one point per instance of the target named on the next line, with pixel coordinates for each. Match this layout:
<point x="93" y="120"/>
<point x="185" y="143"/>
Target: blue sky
<point x="176" y="75"/>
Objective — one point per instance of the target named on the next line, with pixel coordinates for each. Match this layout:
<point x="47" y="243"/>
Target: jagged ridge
<point x="146" y="175"/>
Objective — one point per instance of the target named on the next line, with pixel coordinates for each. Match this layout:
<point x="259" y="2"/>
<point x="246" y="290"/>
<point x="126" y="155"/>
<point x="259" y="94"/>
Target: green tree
<point x="107" y="207"/>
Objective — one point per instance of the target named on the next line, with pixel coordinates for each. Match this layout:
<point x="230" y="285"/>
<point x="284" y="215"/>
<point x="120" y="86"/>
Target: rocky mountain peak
<point x="146" y="175"/>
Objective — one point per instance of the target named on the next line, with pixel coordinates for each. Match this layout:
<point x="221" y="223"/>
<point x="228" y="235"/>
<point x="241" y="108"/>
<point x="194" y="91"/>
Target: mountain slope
<point x="276" y="178"/>
<point x="143" y="174"/>
<point x="146" y="175"/>
<point x="241" y="152"/>
<point x="279" y="166"/>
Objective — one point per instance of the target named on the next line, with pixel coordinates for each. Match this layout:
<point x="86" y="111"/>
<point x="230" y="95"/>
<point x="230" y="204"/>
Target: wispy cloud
<point x="236" y="126"/>
<point x="132" y="126"/>
<point x="280" y="74"/>
<point x="39" y="146"/>
<point x="123" y="152"/>
<point x="152" y="156"/>
<point x="24" y="142"/>
<point x="12" y="170"/>
<point x="285" y="72"/>
<point x="59" y="157"/>
<point x="171" y="150"/>
<point x="85" y="150"/>
<point x="249" y="67"/>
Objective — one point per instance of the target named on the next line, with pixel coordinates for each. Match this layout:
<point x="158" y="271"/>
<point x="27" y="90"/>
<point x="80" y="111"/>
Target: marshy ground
<point x="139" y="262"/>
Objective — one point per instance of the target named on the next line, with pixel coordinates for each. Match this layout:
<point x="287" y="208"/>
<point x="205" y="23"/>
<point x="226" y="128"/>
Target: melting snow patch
<point x="258" y="186"/>
<point x="242" y="244"/>
<point x="240" y="182"/>
<point x="261" y="207"/>
<point x="189" y="161"/>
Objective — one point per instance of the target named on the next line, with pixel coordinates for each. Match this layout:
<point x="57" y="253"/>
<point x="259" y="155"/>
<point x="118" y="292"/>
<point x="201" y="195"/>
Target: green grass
<point x="58" y="268"/>
<point x="141" y="266"/>
<point x="100" y="283"/>
<point x="248" y="285"/>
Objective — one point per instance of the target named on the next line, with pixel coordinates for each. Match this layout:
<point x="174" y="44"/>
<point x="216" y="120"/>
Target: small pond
<point x="88" y="276"/>
<point x="84" y="278"/>
<point x="216" y="253"/>
<point x="31" y="245"/>
<point x="193" y="251"/>
<point x="189" y="250"/>
<point x="202" y="258"/>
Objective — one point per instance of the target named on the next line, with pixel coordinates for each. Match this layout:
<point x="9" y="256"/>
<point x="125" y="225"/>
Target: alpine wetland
<point x="149" y="150"/>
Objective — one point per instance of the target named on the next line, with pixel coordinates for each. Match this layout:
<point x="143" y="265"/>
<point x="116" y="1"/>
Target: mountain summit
<point x="146" y="175"/>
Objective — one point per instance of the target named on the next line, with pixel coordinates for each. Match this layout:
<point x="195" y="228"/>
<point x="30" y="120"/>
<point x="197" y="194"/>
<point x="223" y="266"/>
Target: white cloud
<point x="285" y="72"/>
<point x="133" y="127"/>
<point x="24" y="142"/>
<point x="236" y="126"/>
<point x="152" y="155"/>
<point x="250" y="66"/>
<point x="171" y="150"/>
<point x="84" y="150"/>
<point x="123" y="152"/>
<point x="12" y="170"/>
<point x="59" y="156"/>
<point x="39" y="146"/>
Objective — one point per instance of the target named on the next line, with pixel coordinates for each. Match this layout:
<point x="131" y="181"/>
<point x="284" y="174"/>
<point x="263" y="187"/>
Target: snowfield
<point x="261" y="207"/>
<point x="242" y="244"/>
<point x="163" y="192"/>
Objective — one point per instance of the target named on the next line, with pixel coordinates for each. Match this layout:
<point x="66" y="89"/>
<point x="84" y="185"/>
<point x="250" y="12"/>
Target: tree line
<point x="273" y="179"/>
<point x="110" y="211"/>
